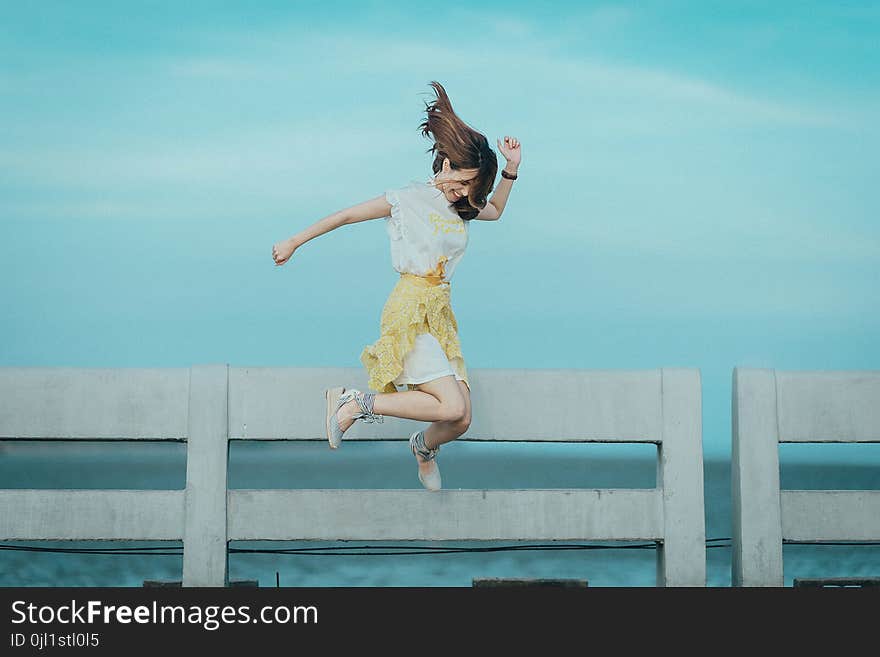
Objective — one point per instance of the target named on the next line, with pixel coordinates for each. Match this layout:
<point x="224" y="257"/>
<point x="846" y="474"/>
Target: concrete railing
<point x="209" y="405"/>
<point x="771" y="407"/>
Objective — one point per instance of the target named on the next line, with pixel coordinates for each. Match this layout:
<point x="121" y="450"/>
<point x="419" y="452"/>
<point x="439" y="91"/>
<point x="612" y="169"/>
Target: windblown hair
<point x="465" y="147"/>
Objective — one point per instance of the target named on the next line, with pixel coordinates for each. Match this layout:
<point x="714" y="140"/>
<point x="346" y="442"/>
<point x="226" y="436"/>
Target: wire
<point x="410" y="550"/>
<point x="344" y="550"/>
<point x="396" y="550"/>
<point x="148" y="551"/>
<point x="786" y="541"/>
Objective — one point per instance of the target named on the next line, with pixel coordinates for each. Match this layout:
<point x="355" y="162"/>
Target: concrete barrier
<point x="771" y="407"/>
<point x="208" y="405"/>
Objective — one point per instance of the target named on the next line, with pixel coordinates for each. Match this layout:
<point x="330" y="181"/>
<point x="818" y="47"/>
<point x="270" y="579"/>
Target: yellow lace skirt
<point x="416" y="305"/>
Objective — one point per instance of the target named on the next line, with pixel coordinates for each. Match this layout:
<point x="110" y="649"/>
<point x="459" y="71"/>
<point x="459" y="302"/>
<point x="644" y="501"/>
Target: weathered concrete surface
<point x="841" y="406"/>
<point x="89" y="403"/>
<point x="563" y="405"/>
<point x="836" y="515"/>
<point x="756" y="558"/>
<point x="49" y="515"/>
<point x="681" y="559"/>
<point x="618" y="514"/>
<point x="772" y="406"/>
<point x="207" y="457"/>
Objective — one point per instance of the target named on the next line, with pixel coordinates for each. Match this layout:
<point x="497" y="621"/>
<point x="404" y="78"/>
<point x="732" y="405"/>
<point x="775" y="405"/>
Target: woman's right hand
<point x="282" y="251"/>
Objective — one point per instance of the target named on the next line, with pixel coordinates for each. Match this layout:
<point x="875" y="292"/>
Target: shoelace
<point x="366" y="413"/>
<point x="418" y="446"/>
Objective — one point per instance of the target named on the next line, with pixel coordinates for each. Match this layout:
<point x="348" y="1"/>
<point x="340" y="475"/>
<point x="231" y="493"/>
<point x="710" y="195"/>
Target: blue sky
<point x="698" y="186"/>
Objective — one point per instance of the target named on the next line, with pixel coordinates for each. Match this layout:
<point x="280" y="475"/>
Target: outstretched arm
<point x="375" y="208"/>
<point x="513" y="154"/>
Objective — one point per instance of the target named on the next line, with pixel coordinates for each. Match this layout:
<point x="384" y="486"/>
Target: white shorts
<point x="426" y="361"/>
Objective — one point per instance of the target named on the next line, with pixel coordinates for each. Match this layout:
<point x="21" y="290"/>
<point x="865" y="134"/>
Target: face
<point x="454" y="183"/>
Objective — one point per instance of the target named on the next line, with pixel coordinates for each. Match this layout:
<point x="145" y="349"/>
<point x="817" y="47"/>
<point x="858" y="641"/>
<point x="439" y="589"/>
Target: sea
<point x="366" y="464"/>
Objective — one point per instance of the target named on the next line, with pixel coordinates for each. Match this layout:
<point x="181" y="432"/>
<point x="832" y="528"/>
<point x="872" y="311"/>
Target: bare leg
<point x="444" y="431"/>
<point x="439" y="400"/>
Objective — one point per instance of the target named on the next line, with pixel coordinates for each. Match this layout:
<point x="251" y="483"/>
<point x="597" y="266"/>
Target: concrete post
<point x="681" y="559"/>
<point x="756" y="555"/>
<point x="207" y="452"/>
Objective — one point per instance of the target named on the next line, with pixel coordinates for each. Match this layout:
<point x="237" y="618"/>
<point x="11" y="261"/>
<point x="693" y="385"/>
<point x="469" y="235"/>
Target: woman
<point x="416" y="367"/>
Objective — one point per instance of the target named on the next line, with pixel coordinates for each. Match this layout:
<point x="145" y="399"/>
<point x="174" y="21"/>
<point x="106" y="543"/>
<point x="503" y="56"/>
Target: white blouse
<point x="428" y="238"/>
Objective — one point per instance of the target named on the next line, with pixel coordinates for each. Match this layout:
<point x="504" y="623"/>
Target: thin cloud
<point x="303" y="149"/>
<point x="531" y="62"/>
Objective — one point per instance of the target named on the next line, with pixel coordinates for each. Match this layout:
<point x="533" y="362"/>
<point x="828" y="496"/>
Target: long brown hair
<point x="465" y="147"/>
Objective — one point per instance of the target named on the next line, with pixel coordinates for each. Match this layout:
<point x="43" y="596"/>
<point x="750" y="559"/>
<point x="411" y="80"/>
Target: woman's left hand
<point x="511" y="150"/>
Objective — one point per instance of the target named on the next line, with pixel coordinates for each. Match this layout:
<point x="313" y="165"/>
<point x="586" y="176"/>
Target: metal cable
<point x="396" y="550"/>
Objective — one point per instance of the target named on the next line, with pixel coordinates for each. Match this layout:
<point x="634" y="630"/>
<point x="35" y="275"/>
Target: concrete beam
<point x="610" y="514"/>
<point x="87" y="403"/>
<point x="53" y="515"/>
<point x="828" y="406"/>
<point x="831" y="515"/>
<point x="583" y="405"/>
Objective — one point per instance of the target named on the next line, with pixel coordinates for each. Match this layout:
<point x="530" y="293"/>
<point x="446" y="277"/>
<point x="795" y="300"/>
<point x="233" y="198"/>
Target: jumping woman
<point x="416" y="368"/>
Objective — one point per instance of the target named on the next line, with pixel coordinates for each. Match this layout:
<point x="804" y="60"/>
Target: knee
<point x="461" y="425"/>
<point x="455" y="412"/>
